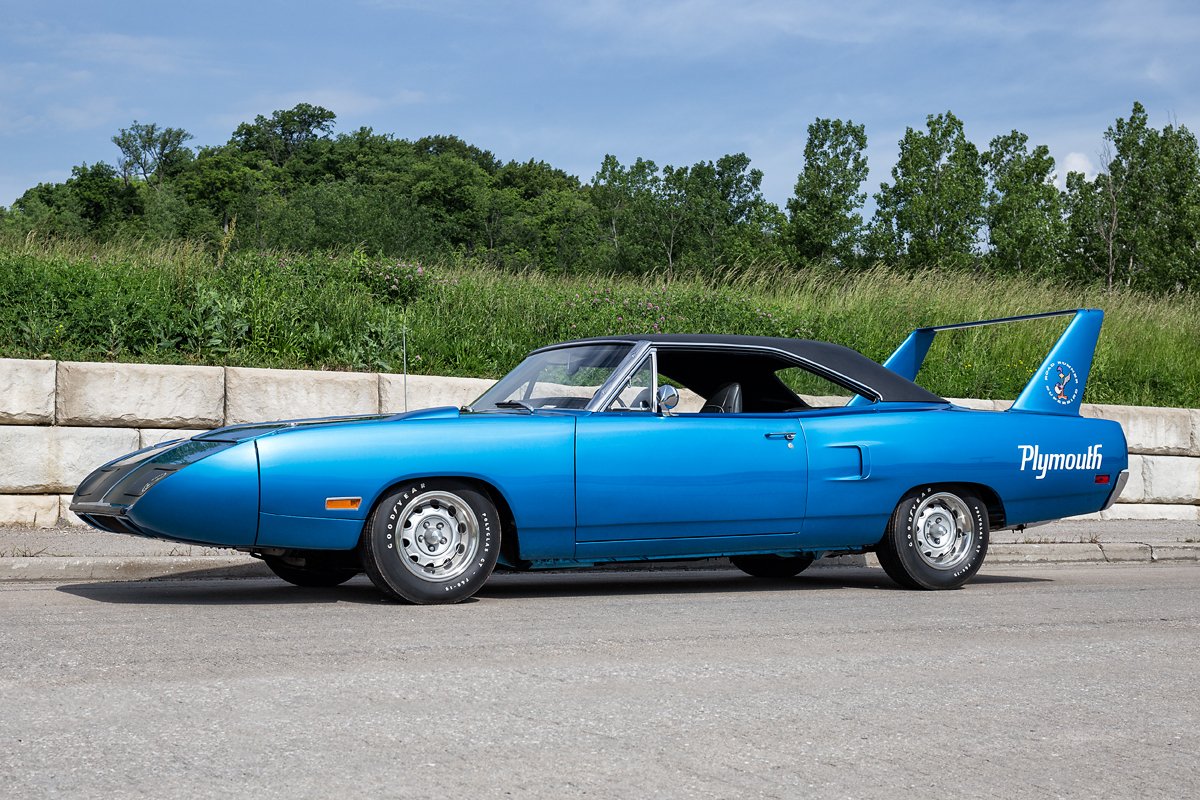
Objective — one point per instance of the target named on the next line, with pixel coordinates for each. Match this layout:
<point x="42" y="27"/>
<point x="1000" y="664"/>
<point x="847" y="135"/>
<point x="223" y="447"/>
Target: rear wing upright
<point x="1057" y="385"/>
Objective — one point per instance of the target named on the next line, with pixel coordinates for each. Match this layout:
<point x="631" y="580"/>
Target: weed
<point x="169" y="303"/>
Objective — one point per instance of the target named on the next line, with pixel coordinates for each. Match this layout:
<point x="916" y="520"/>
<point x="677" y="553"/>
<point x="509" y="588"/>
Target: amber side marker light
<point x="343" y="503"/>
<point x="1099" y="479"/>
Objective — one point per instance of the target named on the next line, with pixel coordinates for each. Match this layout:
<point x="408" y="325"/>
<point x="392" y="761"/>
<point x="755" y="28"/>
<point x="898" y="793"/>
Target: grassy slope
<point x="170" y="304"/>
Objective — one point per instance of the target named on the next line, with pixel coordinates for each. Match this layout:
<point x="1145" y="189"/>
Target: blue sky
<point x="675" y="81"/>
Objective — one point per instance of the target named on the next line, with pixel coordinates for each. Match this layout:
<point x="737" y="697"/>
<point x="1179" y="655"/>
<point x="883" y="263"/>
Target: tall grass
<point x="170" y="303"/>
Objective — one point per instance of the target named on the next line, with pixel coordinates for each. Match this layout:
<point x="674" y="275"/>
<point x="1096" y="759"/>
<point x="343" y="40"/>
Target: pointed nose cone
<point x="213" y="501"/>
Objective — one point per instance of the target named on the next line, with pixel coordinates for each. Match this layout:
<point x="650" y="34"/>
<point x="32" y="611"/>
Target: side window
<point x="638" y="392"/>
<point x="813" y="390"/>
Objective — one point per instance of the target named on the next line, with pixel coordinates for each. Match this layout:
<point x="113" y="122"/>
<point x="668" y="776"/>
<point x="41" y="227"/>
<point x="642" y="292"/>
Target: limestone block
<point x="26" y="391"/>
<point x="970" y="402"/>
<point x="153" y="436"/>
<point x="1135" y="487"/>
<point x="1148" y="511"/>
<point x="33" y="510"/>
<point x="1176" y="552"/>
<point x="1156" y="431"/>
<point x="689" y="402"/>
<point x="38" y="459"/>
<point x="1126" y="551"/>
<point x="262" y="395"/>
<point x="1172" y="479"/>
<point x="1044" y="553"/>
<point x="65" y="515"/>
<point x="428" y="391"/>
<point x="140" y="395"/>
<point x="1003" y="405"/>
<point x="1195" y="432"/>
<point x="825" y="401"/>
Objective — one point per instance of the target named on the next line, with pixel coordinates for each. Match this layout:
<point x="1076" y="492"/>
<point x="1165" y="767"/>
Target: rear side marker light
<point x="343" y="503"/>
<point x="1099" y="479"/>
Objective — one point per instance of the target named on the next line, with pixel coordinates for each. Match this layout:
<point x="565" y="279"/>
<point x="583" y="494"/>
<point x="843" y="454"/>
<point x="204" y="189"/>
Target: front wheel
<point x="772" y="566"/>
<point x="936" y="539"/>
<point x="432" y="541"/>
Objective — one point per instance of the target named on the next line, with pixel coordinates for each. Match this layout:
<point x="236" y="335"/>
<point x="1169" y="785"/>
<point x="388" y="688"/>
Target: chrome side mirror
<point x="668" y="397"/>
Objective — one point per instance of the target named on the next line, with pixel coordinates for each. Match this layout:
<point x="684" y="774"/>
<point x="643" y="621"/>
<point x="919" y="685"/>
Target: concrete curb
<point x="140" y="568"/>
<point x="59" y="569"/>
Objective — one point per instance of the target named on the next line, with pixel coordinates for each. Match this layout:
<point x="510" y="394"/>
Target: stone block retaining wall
<point x="59" y="420"/>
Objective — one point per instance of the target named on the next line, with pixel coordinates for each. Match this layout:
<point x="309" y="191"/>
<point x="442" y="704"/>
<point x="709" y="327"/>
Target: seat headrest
<point x="726" y="400"/>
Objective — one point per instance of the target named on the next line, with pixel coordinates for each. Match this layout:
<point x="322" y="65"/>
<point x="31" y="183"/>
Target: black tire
<point x="937" y="539"/>
<point x="309" y="572"/>
<point x="431" y="541"/>
<point x="772" y="566"/>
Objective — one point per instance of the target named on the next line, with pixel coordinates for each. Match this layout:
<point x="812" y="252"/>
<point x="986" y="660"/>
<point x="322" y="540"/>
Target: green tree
<point x="151" y="152"/>
<point x="735" y="223"/>
<point x="533" y="217"/>
<point x="824" y="218"/>
<point x="49" y="208"/>
<point x="217" y="180"/>
<point x="284" y="133"/>
<point x="1087" y="220"/>
<point x="94" y="200"/>
<point x="624" y="198"/>
<point x="442" y="145"/>
<point x="931" y="214"/>
<point x="1024" y="212"/>
<point x="1138" y="222"/>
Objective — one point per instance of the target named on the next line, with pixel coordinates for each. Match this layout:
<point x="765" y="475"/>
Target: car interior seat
<point x="726" y="400"/>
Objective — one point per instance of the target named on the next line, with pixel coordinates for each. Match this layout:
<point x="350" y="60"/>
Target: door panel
<point x="642" y="476"/>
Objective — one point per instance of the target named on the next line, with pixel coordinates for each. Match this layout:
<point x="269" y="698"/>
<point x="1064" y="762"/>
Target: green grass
<point x="172" y="304"/>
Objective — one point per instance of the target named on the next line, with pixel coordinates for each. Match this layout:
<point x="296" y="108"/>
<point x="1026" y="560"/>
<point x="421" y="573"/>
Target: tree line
<point x="288" y="181"/>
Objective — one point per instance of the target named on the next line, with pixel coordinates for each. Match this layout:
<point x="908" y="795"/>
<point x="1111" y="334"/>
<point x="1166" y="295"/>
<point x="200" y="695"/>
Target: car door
<point x="689" y="484"/>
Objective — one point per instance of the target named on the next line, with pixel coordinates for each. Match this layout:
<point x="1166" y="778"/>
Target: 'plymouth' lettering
<point x="1032" y="456"/>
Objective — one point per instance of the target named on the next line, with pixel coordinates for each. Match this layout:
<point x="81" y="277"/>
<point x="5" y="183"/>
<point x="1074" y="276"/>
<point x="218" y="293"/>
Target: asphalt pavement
<point x="1032" y="681"/>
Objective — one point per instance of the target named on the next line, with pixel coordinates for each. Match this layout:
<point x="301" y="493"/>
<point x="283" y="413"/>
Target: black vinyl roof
<point x="727" y="361"/>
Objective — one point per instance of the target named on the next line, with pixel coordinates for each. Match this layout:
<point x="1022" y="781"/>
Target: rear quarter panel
<point x="863" y="461"/>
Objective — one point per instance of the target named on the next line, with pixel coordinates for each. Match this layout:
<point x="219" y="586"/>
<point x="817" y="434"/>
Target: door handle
<point x="789" y="435"/>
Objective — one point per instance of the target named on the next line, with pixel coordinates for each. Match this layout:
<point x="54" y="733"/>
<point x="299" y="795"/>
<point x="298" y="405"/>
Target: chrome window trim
<point x="611" y="387"/>
<point x="820" y="369"/>
<point x="654" y="409"/>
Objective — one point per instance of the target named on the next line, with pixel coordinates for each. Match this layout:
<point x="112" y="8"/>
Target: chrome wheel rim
<point x="436" y="536"/>
<point x="944" y="531"/>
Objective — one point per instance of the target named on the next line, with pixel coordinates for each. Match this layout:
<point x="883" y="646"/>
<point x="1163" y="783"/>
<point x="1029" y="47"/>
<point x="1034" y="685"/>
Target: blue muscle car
<point x="772" y="452"/>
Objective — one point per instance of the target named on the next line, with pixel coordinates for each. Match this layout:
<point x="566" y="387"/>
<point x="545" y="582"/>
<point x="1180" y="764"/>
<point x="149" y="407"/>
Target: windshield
<point x="566" y="377"/>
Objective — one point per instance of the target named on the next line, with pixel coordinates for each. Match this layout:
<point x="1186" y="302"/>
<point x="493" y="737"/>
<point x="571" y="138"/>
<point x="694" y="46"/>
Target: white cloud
<point x="700" y="28"/>
<point x="1075" y="162"/>
<point x="343" y="102"/>
<point x="14" y="120"/>
<point x="1158" y="71"/>
<point x="87" y="114"/>
<point x="156" y="54"/>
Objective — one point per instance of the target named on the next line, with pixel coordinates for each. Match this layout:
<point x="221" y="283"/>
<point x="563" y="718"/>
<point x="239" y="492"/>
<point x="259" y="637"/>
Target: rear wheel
<point x="309" y="572"/>
<point x="936" y="539"/>
<point x="432" y="541"/>
<point x="772" y="566"/>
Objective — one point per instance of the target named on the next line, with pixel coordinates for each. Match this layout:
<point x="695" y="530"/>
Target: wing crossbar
<point x="1057" y="385"/>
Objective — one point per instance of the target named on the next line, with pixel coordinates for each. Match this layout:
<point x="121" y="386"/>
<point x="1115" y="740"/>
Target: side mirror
<point x="668" y="397"/>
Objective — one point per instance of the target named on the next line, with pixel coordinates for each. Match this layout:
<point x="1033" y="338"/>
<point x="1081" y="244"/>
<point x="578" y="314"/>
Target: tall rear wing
<point x="1057" y="385"/>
